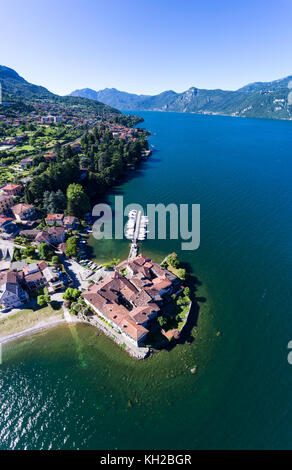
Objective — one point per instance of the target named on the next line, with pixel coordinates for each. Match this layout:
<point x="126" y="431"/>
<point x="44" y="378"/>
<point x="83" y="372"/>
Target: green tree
<point x="181" y="273"/>
<point x="77" y="201"/>
<point x="45" y="251"/>
<point x="55" y="260"/>
<point x="172" y="259"/>
<point x="71" y="247"/>
<point x="54" y="202"/>
<point x="17" y="254"/>
<point x="187" y="292"/>
<point x="43" y="300"/>
<point x="71" y="294"/>
<point x="162" y="321"/>
<point x="29" y="252"/>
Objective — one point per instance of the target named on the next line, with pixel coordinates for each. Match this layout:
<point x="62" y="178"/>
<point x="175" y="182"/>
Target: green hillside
<point x="17" y="91"/>
<point x="260" y="100"/>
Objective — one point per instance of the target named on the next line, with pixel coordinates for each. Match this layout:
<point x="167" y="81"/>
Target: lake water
<point x="68" y="388"/>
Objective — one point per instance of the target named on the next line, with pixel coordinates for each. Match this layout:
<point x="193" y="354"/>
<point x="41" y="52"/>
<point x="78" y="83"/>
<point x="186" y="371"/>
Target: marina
<point x="136" y="230"/>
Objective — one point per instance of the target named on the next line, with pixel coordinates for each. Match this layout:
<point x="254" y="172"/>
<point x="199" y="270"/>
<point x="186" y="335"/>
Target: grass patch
<point x="27" y="318"/>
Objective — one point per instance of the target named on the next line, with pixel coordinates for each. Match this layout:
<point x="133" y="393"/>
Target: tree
<point x="77" y="201"/>
<point x="71" y="294"/>
<point x="43" y="300"/>
<point x="45" y="251"/>
<point x="104" y="161"/>
<point x="172" y="259"/>
<point x="34" y="192"/>
<point x="71" y="247"/>
<point x="29" y="252"/>
<point x="84" y="162"/>
<point x="17" y="254"/>
<point x="162" y="321"/>
<point x="187" y="291"/>
<point x="54" y="202"/>
<point x="181" y="273"/>
<point x="55" y="260"/>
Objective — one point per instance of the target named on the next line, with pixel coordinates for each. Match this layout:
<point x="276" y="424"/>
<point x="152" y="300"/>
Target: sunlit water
<point x="61" y="389"/>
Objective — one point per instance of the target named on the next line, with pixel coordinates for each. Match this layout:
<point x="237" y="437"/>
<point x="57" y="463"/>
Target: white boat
<point x="131" y="223"/>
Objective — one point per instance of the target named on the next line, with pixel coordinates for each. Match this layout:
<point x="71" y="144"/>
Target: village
<point x="123" y="299"/>
<point x="43" y="261"/>
<point x="43" y="254"/>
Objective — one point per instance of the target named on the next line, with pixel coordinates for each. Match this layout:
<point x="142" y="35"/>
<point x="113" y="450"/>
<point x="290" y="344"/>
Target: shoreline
<point x="42" y="326"/>
<point x="34" y="329"/>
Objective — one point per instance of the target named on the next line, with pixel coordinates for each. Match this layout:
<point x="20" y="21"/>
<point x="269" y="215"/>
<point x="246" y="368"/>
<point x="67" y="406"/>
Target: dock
<point x="140" y="224"/>
<point x="134" y="247"/>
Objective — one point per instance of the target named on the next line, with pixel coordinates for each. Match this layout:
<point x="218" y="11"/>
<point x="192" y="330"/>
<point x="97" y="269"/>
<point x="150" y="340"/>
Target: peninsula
<point x="58" y="157"/>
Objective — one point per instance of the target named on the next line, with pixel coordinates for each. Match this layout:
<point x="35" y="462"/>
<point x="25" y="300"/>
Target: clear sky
<point x="146" y="46"/>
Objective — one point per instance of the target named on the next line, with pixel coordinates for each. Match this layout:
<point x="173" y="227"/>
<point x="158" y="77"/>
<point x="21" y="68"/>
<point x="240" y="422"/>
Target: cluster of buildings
<point x="48" y="114"/>
<point x="16" y="140"/>
<point x="16" y="284"/>
<point x="11" y="213"/>
<point x="122" y="132"/>
<point x="131" y="296"/>
<point x="19" y="278"/>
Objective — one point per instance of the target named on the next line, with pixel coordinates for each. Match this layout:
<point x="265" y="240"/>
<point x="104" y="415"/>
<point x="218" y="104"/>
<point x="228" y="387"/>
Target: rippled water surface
<point x="68" y="388"/>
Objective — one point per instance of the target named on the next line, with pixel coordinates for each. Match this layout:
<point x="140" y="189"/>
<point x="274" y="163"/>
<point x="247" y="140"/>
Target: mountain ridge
<point x="16" y="89"/>
<point x="258" y="99"/>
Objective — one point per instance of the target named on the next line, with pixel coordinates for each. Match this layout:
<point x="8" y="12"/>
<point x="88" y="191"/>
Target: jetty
<point x="136" y="230"/>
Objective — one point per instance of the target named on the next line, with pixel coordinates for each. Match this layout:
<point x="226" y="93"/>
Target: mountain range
<point x="16" y="89"/>
<point x="258" y="100"/>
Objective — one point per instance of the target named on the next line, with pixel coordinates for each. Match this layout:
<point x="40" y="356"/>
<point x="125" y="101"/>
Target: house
<point x="23" y="211"/>
<point x="33" y="276"/>
<point x="131" y="296"/>
<point x="12" y="189"/>
<point x="52" y="236"/>
<point x="149" y="276"/>
<point x="51" y="119"/>
<point x="53" y="280"/>
<point x="6" y="202"/>
<point x="7" y="225"/>
<point x="52" y="219"/>
<point x="12" y="294"/>
<point x="70" y="222"/>
<point x="122" y="305"/>
<point x="31" y="234"/>
<point x="41" y="236"/>
<point x="26" y="162"/>
<point x="50" y="156"/>
<point x="57" y="235"/>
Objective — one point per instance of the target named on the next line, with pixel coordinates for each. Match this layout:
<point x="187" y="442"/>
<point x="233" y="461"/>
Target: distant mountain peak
<point x="260" y="99"/>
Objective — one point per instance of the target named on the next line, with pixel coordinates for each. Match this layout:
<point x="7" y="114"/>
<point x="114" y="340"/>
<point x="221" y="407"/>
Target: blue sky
<point x="146" y="46"/>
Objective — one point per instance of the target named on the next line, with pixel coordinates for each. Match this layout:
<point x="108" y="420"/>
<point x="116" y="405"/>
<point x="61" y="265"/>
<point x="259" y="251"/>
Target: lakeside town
<point x="53" y="160"/>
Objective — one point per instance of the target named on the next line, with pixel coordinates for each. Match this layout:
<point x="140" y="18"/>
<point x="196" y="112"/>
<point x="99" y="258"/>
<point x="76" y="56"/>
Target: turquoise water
<point x="72" y="389"/>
